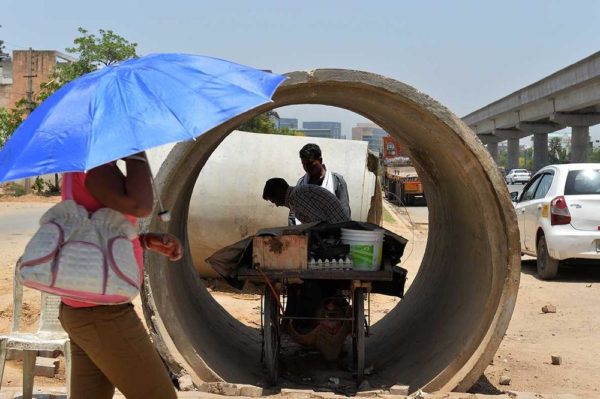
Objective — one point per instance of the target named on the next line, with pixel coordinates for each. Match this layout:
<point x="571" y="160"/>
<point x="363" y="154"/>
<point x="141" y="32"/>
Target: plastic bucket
<point x="365" y="248"/>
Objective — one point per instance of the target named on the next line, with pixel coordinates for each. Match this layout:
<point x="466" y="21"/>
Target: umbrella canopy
<point x="130" y="107"/>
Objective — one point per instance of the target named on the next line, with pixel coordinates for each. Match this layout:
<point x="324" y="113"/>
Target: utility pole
<point x="29" y="95"/>
<point x="30" y="77"/>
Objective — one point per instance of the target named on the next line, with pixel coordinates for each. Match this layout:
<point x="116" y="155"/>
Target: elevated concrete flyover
<point x="445" y="331"/>
<point x="567" y="98"/>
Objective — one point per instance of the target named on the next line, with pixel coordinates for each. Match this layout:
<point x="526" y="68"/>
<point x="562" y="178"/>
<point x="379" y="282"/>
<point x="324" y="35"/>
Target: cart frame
<point x="272" y="312"/>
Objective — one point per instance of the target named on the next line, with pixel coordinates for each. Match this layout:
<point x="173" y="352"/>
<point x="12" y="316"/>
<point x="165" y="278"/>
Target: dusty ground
<point x="524" y="355"/>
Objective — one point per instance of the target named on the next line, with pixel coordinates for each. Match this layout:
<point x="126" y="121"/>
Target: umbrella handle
<point x="163" y="214"/>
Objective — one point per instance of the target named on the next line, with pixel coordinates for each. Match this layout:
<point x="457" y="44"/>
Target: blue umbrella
<point x="130" y="107"/>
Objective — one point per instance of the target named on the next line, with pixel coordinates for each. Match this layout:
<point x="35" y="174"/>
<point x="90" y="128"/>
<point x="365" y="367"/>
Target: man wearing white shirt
<point x="318" y="174"/>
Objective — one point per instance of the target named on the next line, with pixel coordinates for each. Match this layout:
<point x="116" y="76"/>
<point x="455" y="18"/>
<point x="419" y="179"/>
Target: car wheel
<point x="547" y="268"/>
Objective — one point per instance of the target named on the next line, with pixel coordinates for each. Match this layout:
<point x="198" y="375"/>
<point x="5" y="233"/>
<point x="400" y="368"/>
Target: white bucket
<point x="365" y="248"/>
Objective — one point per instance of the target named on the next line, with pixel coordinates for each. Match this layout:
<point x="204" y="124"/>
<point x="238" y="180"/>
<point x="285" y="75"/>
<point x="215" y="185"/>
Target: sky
<point x="465" y="54"/>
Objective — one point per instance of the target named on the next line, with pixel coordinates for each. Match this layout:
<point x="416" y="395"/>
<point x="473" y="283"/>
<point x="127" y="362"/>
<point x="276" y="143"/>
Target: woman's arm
<point x="131" y="194"/>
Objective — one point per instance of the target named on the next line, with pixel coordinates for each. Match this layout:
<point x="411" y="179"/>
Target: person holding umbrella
<point x="109" y="344"/>
<point x="115" y="113"/>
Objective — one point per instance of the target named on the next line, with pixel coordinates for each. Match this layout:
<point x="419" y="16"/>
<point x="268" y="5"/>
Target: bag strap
<point x="68" y="186"/>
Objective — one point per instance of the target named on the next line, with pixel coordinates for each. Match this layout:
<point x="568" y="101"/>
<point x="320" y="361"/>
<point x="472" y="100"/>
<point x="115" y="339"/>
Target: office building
<point x="371" y="133"/>
<point x="335" y="128"/>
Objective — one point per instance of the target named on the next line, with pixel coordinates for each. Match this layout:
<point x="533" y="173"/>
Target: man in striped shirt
<point x="310" y="203"/>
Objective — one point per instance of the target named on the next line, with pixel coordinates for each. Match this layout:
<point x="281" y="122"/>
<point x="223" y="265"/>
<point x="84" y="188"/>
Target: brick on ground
<point x="250" y="390"/>
<point x="399" y="390"/>
<point x="549" y="308"/>
<point x="46" y="367"/>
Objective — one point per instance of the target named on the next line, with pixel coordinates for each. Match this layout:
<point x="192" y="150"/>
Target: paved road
<point x="515" y="187"/>
<point x="20" y="219"/>
<point x="418" y="214"/>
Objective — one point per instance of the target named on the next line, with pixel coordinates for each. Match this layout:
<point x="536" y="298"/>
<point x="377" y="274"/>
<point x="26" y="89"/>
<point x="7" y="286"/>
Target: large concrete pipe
<point x="446" y="330"/>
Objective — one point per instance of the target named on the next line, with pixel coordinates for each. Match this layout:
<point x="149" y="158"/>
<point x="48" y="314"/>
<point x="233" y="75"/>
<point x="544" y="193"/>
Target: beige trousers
<point x="111" y="348"/>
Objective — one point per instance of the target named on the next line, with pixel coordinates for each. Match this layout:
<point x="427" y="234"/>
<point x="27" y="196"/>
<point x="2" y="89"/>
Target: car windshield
<point x="520" y="171"/>
<point x="585" y="181"/>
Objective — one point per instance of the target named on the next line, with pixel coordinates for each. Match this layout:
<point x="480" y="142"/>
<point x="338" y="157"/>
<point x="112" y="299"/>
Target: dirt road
<point x="572" y="333"/>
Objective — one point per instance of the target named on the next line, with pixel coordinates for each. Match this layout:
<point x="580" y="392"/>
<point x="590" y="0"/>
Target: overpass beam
<point x="539" y="127"/>
<point x="574" y="119"/>
<point x="540" y="151"/>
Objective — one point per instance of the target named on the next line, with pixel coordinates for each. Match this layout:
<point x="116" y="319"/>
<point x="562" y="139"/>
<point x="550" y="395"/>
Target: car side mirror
<point x="514" y="196"/>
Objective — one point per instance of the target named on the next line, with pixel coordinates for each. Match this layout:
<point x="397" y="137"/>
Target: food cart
<point x="317" y="253"/>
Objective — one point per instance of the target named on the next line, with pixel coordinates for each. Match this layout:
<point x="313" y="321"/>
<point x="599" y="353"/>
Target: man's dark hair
<point x="310" y="151"/>
<point x="273" y="187"/>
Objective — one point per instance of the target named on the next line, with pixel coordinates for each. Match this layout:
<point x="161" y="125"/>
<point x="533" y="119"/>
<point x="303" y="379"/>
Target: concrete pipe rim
<point x="444" y="149"/>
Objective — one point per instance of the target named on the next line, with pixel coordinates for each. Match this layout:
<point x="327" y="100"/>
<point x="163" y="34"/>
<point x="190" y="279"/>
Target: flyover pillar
<point x="513" y="153"/>
<point x="540" y="151"/>
<point x="580" y="131"/>
<point x="512" y="136"/>
<point x="493" y="150"/>
<point x="580" y="138"/>
<point x="491" y="144"/>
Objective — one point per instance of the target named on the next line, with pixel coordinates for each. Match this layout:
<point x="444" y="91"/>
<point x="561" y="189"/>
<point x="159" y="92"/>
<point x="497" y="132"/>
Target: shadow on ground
<point x="580" y="271"/>
<point x="484" y="386"/>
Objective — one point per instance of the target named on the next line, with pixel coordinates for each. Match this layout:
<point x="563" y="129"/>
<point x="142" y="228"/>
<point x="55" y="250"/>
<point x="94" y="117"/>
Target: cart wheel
<point x="358" y="341"/>
<point x="271" y="335"/>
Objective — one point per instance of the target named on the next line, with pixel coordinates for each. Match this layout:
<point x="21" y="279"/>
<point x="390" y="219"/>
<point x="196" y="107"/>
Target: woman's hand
<point x="164" y="244"/>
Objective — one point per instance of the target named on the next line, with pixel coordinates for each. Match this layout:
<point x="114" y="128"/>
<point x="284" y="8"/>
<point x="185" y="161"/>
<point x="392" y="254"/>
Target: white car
<point x="517" y="176"/>
<point x="559" y="215"/>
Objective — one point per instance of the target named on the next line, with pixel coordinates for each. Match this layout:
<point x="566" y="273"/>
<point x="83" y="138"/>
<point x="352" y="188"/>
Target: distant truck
<point x="400" y="179"/>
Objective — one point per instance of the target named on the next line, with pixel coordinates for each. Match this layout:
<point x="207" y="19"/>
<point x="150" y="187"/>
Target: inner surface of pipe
<point x="446" y="330"/>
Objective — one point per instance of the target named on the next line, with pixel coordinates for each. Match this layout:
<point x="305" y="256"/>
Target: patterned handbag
<point x="82" y="256"/>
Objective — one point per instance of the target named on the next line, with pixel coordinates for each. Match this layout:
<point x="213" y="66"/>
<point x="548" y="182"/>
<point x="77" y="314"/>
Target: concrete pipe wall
<point x="444" y="333"/>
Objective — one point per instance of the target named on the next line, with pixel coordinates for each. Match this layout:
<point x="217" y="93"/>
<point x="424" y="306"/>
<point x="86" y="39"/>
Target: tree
<point x="3" y="55"/>
<point x="556" y="153"/>
<point x="526" y="159"/>
<point x="93" y="52"/>
<point x="594" y="155"/>
<point x="264" y="123"/>
<point x="502" y="157"/>
<point x="10" y="119"/>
